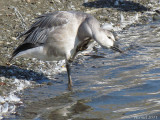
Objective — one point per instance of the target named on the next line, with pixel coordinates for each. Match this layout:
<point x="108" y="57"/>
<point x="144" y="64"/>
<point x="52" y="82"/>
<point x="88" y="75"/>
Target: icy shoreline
<point x="8" y="102"/>
<point x="10" y="99"/>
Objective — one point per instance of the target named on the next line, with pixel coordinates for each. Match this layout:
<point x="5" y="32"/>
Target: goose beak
<point x="115" y="47"/>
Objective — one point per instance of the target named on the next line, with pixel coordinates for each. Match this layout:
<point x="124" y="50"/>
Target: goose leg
<point x="69" y="75"/>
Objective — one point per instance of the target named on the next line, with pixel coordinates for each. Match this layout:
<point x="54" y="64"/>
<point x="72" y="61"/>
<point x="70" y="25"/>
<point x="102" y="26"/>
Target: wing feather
<point x="40" y="30"/>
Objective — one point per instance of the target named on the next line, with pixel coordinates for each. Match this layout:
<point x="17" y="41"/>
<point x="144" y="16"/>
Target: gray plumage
<point x="61" y="35"/>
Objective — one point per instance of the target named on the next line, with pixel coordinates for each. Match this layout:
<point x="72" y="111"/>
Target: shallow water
<point x="110" y="86"/>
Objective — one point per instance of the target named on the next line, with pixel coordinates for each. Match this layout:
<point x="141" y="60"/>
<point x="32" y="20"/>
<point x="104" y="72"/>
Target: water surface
<point x="112" y="86"/>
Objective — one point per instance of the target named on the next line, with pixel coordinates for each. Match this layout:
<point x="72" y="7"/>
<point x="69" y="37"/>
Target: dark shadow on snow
<point x="122" y="6"/>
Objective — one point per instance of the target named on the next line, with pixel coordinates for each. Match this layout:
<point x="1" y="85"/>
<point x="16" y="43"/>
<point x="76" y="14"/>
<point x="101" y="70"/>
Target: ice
<point x="13" y="98"/>
<point x="136" y="17"/>
<point x="107" y="26"/>
<point x="4" y="108"/>
<point x="126" y="21"/>
<point x="12" y="108"/>
<point x="20" y="87"/>
<point x="0" y="109"/>
<point x="7" y="102"/>
<point x="2" y="99"/>
<point x="85" y="1"/>
<point x="122" y="18"/>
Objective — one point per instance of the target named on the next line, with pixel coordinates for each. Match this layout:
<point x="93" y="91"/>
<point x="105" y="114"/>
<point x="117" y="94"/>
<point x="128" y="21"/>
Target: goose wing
<point x="40" y="30"/>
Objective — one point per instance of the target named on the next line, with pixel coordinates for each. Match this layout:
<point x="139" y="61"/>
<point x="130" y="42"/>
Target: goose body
<point x="61" y="35"/>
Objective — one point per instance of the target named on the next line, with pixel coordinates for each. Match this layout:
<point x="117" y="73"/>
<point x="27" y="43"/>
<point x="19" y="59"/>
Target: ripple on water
<point x="116" y="86"/>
